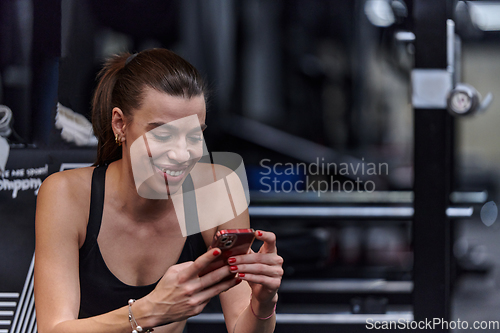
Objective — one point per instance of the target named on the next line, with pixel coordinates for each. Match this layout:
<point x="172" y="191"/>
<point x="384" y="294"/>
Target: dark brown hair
<point x="122" y="82"/>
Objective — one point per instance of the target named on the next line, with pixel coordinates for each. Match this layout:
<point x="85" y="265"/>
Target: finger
<point x="182" y="265"/>
<point x="214" y="277"/>
<point x="216" y="289"/>
<point x="263" y="258"/>
<point x="271" y="283"/>
<point x="269" y="240"/>
<point x="258" y="269"/>
<point x="199" y="264"/>
<point x="200" y="307"/>
<point x="178" y="267"/>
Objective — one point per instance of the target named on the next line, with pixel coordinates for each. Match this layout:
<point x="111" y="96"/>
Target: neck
<point x="128" y="201"/>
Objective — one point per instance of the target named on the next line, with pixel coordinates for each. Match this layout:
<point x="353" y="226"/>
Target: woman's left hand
<point x="262" y="270"/>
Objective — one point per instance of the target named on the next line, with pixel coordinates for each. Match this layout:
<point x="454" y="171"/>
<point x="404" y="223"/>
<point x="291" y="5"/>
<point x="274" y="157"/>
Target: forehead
<point x="160" y="107"/>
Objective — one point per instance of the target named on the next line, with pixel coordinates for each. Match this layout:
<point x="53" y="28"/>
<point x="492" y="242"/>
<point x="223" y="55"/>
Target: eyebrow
<point x="172" y="127"/>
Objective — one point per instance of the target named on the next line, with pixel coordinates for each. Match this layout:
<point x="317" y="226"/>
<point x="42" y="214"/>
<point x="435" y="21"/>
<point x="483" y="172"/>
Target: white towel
<point x="75" y="127"/>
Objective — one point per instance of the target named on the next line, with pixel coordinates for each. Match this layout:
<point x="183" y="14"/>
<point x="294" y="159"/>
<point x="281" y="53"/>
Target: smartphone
<point x="231" y="242"/>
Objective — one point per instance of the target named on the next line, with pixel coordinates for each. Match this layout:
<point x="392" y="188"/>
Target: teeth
<point x="172" y="173"/>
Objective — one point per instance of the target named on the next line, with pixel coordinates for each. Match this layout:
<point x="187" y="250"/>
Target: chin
<point x="153" y="188"/>
<point x="156" y="187"/>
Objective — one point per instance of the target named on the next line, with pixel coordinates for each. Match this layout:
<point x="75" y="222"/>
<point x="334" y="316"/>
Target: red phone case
<point x="231" y="242"/>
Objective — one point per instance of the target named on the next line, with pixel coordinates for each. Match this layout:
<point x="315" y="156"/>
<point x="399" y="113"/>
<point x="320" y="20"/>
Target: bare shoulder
<point x="68" y="185"/>
<point x="64" y="200"/>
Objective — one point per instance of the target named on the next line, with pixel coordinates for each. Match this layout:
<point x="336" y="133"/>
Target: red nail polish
<point x="241" y="274"/>
<point x="259" y="233"/>
<point x="231" y="260"/>
<point x="238" y="281"/>
<point x="216" y="253"/>
<point x="233" y="268"/>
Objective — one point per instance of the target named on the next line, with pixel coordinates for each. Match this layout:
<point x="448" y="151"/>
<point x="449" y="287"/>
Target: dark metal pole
<point x="433" y="161"/>
<point x="46" y="50"/>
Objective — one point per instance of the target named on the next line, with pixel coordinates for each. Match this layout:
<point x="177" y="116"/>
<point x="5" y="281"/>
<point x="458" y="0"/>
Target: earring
<point x="117" y="140"/>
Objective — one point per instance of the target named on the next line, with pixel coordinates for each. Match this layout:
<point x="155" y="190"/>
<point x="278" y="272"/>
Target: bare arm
<point x="59" y="223"/>
<point x="263" y="272"/>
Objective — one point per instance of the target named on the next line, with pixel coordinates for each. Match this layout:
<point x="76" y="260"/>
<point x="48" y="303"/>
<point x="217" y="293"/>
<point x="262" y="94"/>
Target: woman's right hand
<point x="182" y="293"/>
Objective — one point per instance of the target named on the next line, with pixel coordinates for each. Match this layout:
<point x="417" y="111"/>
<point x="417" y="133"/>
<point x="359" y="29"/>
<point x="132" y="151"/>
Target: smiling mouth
<point x="170" y="172"/>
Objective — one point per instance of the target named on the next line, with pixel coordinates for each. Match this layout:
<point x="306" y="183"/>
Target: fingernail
<point x="216" y="253"/>
<point x="259" y="233"/>
<point x="241" y="274"/>
<point x="238" y="281"/>
<point x="231" y="260"/>
<point x="233" y="268"/>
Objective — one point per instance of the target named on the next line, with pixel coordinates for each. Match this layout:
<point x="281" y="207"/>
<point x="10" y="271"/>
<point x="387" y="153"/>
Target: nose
<point x="179" y="153"/>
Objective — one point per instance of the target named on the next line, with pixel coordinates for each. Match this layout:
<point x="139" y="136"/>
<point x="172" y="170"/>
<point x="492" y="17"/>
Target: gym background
<point x="307" y="92"/>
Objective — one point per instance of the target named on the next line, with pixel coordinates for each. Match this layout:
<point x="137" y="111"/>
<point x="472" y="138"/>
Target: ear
<point x="118" y="123"/>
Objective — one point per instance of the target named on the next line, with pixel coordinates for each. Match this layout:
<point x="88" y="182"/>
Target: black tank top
<point x="100" y="290"/>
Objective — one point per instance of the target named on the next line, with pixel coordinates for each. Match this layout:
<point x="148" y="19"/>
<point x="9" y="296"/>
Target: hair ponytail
<point x="122" y="82"/>
<point x="102" y="106"/>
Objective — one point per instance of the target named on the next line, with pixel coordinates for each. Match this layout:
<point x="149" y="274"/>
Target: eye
<point x="195" y="138"/>
<point x="161" y="137"/>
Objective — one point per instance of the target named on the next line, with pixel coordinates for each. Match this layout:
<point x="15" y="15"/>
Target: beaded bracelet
<point x="272" y="313"/>
<point x="133" y="323"/>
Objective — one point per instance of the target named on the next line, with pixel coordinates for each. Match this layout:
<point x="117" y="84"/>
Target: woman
<point x="99" y="243"/>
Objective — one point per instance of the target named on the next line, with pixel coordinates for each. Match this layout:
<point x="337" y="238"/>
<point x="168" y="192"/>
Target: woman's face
<point x="164" y="142"/>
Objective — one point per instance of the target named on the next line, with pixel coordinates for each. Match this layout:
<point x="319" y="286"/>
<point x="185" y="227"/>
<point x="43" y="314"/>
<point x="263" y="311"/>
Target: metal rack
<point x="380" y="212"/>
<point x="434" y="170"/>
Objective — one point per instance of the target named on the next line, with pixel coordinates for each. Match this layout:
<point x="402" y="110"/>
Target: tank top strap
<point x="96" y="206"/>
